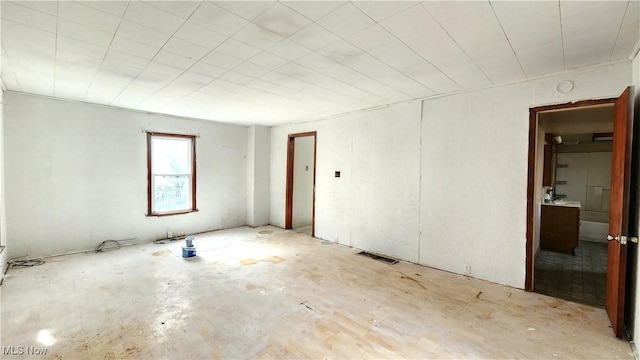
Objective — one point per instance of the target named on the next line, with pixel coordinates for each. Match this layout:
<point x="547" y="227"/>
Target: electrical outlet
<point x="169" y="234"/>
<point x="179" y="233"/>
<point x="467" y="269"/>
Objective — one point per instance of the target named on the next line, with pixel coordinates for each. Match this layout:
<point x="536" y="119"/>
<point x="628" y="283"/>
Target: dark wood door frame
<point x="288" y="216"/>
<point x="531" y="176"/>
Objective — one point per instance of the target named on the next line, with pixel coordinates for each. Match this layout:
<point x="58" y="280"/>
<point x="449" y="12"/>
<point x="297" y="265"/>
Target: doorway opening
<point x="570" y="259"/>
<point x="620" y="199"/>
<point x="301" y="183"/>
<point x="569" y="194"/>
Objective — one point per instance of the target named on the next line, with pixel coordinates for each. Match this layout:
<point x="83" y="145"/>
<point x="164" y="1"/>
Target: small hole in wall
<point x="337" y="174"/>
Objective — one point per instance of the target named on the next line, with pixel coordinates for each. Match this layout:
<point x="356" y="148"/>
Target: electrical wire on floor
<point x="101" y="246"/>
<point x="26" y="263"/>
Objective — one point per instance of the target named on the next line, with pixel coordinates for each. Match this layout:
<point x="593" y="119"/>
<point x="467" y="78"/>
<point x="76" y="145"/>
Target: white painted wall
<point x="4" y="241"/>
<point x="635" y="332"/>
<point x="445" y="188"/>
<point x="258" y="165"/>
<point x="303" y="181"/>
<point x="474" y="171"/>
<point x="76" y="175"/>
<point x="374" y="204"/>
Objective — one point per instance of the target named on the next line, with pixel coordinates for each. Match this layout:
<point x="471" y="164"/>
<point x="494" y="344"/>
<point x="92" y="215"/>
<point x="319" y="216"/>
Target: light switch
<point x="337" y="174"/>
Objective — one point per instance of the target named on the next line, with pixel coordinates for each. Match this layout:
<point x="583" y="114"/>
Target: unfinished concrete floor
<point x="270" y="293"/>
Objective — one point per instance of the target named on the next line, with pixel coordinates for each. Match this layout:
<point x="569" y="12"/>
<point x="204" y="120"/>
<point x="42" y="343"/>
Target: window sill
<point x="172" y="213"/>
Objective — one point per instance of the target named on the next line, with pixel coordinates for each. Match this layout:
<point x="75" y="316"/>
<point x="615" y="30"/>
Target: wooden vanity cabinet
<point x="559" y="228"/>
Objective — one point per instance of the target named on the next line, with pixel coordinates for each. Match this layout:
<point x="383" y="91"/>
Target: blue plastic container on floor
<point x="188" y="252"/>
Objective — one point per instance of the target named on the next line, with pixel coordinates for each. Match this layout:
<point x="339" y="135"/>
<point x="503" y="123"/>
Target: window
<point x="171" y="162"/>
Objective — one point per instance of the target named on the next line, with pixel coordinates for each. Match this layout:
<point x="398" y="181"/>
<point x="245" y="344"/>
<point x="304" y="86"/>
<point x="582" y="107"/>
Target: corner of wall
<point x="258" y="169"/>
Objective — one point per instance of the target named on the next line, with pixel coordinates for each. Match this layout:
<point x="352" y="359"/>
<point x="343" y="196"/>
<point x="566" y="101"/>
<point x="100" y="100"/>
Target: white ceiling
<point x="265" y="62"/>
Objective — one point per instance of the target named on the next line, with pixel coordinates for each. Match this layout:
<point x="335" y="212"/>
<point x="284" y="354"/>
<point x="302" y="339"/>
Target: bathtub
<point x="594" y="226"/>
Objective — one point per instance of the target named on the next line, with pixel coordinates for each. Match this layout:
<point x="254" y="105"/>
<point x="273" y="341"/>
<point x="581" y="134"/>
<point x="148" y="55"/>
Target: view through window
<point x="171" y="173"/>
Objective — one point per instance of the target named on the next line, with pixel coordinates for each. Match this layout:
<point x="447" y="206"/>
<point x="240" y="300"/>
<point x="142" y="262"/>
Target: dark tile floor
<point x="580" y="278"/>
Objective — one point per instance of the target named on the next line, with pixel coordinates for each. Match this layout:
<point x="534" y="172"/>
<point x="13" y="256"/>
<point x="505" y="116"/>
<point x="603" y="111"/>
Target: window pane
<point x="171" y="193"/>
<point x="171" y="156"/>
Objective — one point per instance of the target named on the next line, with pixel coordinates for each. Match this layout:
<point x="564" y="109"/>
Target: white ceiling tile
<point x="116" y="8"/>
<point x="482" y="38"/>
<point x="134" y="93"/>
<point x="14" y="30"/>
<point x="314" y="37"/>
<point x="126" y="59"/>
<point x="341" y="51"/>
<point x="399" y="56"/>
<point x="447" y="10"/>
<point x="514" y="10"/>
<point x="80" y="47"/>
<point x="49" y="7"/>
<point x="185" y="48"/>
<point x="134" y="48"/>
<point x="38" y="82"/>
<point x="294" y="70"/>
<point x="8" y="75"/>
<point x="152" y="17"/>
<point x="222" y="60"/>
<point x="207" y="69"/>
<point x="268" y="60"/>
<point x="118" y="69"/>
<point x="345" y="20"/>
<point x="236" y="78"/>
<point x="274" y="78"/>
<point x="73" y="81"/>
<point x="250" y="69"/>
<point x="198" y="35"/>
<point x="537" y="64"/>
<point x="172" y="59"/>
<point x="314" y="10"/>
<point x="219" y="85"/>
<point x="315" y="61"/>
<point x="526" y="43"/>
<point x="584" y="43"/>
<point x="192" y="80"/>
<point x="161" y="72"/>
<point x="628" y="35"/>
<point x="257" y="36"/>
<point x="279" y="78"/>
<point x="389" y="76"/>
<point x="27" y="16"/>
<point x="370" y="38"/>
<point x="246" y="9"/>
<point x="237" y="49"/>
<point x="380" y="10"/>
<point x="34" y="73"/>
<point x="217" y="19"/>
<point x="142" y="34"/>
<point x="43" y="48"/>
<point x="416" y="28"/>
<point x="182" y="9"/>
<point x="289" y="50"/>
<point x="281" y="20"/>
<point x="78" y="59"/>
<point x="88" y="16"/>
<point x="106" y="86"/>
<point x="356" y="79"/>
<point x="83" y="33"/>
